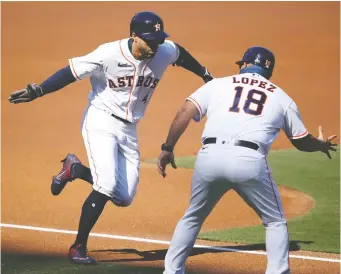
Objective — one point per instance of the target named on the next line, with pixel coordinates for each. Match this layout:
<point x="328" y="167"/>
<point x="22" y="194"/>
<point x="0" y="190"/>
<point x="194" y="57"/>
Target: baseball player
<point x="245" y="113"/>
<point x="123" y="75"/>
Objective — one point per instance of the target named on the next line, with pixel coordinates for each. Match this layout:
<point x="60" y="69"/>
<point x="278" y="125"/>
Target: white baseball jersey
<point x="122" y="85"/>
<point x="247" y="107"/>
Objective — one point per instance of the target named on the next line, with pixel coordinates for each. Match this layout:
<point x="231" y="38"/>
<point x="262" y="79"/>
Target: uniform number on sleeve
<point x="253" y="104"/>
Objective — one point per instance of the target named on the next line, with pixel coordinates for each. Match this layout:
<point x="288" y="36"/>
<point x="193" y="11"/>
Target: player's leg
<point x="83" y="172"/>
<point x="91" y="210"/>
<point x="72" y="169"/>
<point x="206" y="192"/>
<point x="101" y="146"/>
<point x="263" y="196"/>
<point x="128" y="173"/>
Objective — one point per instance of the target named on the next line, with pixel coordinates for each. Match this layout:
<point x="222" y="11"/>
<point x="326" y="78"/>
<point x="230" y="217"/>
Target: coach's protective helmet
<point x="148" y="25"/>
<point x="260" y="57"/>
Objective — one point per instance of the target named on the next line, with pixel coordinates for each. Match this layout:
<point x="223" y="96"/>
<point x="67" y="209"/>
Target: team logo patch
<point x="157" y="27"/>
<point x="124" y="65"/>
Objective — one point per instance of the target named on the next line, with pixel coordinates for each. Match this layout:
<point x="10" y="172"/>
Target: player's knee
<point x="126" y="202"/>
<point x="123" y="200"/>
<point x="102" y="190"/>
<point x="122" y="203"/>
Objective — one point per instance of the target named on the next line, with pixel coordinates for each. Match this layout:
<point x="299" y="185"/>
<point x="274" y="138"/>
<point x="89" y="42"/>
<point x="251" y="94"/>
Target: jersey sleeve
<point x="200" y="99"/>
<point x="172" y="50"/>
<point x="88" y="65"/>
<point x="292" y="123"/>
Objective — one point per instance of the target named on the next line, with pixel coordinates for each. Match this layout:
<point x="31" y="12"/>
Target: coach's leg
<point x="264" y="198"/>
<point x="205" y="195"/>
<point x="277" y="247"/>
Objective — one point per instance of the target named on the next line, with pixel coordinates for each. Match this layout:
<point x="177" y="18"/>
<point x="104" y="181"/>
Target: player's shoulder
<point x="110" y="45"/>
<point x="108" y="49"/>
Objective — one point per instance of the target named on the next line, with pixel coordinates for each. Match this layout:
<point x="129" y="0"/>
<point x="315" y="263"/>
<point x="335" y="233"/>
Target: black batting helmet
<point x="259" y="56"/>
<point x="148" y="25"/>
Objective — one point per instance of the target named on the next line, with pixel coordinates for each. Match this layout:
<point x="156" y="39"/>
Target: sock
<point x="91" y="210"/>
<point x="82" y="172"/>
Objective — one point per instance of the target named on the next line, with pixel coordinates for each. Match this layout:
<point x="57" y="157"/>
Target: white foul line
<point x="145" y="240"/>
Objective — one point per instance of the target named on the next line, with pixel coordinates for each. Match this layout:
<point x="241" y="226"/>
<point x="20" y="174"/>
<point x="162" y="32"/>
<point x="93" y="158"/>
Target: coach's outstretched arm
<point x="57" y="81"/>
<point x="187" y="112"/>
<point x="310" y="144"/>
<point x="187" y="61"/>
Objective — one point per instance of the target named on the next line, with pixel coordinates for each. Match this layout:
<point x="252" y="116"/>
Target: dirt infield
<point x="305" y="37"/>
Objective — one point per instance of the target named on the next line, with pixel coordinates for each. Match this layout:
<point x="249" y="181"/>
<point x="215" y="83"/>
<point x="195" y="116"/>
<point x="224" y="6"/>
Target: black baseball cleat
<point x="78" y="254"/>
<point x="65" y="175"/>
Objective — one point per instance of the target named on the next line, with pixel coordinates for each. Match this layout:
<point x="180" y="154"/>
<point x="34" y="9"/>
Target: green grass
<point x="311" y="173"/>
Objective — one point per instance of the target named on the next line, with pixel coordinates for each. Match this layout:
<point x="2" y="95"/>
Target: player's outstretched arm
<point x="309" y="143"/>
<point x="187" y="61"/>
<point x="57" y="81"/>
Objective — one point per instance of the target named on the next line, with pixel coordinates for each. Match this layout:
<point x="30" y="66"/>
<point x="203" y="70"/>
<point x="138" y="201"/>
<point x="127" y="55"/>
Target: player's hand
<point x="164" y="159"/>
<point x="326" y="144"/>
<point x="207" y="76"/>
<point x="26" y="95"/>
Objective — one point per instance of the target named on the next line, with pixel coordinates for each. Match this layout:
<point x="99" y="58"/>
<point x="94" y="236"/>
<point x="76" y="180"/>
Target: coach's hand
<point x="26" y="95"/>
<point x="326" y="144"/>
<point x="164" y="159"/>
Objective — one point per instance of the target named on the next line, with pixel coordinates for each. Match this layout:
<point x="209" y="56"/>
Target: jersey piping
<point x="138" y="95"/>
<point x="197" y="106"/>
<point x="300" y="135"/>
<point x="73" y="70"/>
<point x="132" y="86"/>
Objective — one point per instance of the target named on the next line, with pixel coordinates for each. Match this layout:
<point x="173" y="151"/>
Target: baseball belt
<point x="119" y="118"/>
<point x="241" y="143"/>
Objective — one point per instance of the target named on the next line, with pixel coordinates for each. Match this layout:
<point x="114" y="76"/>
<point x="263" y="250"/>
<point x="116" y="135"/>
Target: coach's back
<point x="247" y="107"/>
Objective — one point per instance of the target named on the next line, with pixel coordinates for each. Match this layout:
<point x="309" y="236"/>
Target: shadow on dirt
<point x="154" y="255"/>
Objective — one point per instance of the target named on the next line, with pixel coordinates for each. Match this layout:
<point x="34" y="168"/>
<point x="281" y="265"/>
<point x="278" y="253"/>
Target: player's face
<point x="147" y="48"/>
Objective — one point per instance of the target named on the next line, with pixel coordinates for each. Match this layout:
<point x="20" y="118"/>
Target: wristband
<point x="166" y="148"/>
